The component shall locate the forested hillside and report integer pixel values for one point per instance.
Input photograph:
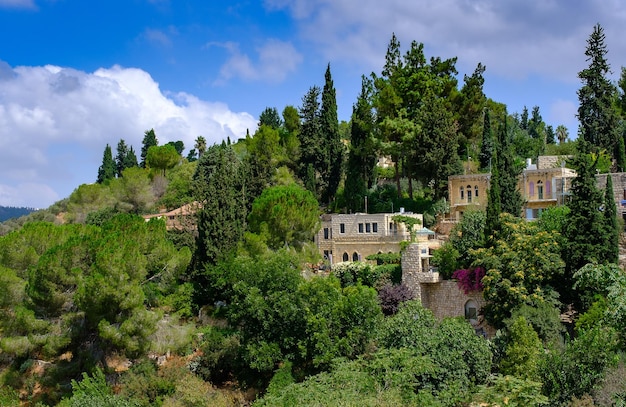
(8, 212)
(232, 304)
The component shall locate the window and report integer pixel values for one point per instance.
(342, 228)
(469, 193)
(355, 256)
(391, 223)
(326, 234)
(462, 194)
(540, 189)
(346, 257)
(326, 255)
(476, 191)
(471, 311)
(375, 227)
(531, 189)
(368, 228)
(548, 188)
(360, 228)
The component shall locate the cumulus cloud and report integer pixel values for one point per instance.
(56, 122)
(275, 59)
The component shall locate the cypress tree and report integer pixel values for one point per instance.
(107, 169)
(149, 140)
(131, 159)
(311, 143)
(332, 169)
(585, 229)
(361, 156)
(610, 223)
(494, 204)
(510, 196)
(120, 158)
(486, 148)
(597, 115)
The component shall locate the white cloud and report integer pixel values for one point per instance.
(275, 60)
(513, 39)
(17, 4)
(56, 122)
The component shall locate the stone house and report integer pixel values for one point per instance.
(542, 185)
(353, 237)
(443, 297)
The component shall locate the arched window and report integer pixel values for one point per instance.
(471, 311)
(540, 189)
(462, 193)
(476, 191)
(355, 256)
(346, 257)
(469, 193)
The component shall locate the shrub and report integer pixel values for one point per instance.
(470, 279)
(391, 296)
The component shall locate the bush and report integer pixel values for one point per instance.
(391, 296)
(470, 279)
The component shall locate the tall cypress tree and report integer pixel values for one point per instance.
(334, 150)
(494, 204)
(107, 169)
(597, 115)
(220, 189)
(585, 229)
(487, 147)
(611, 225)
(509, 171)
(311, 142)
(361, 156)
(120, 158)
(131, 159)
(149, 140)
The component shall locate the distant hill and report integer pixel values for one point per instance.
(8, 212)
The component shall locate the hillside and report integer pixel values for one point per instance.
(8, 212)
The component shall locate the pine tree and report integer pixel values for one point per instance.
(550, 135)
(107, 169)
(524, 119)
(149, 140)
(270, 117)
(332, 171)
(487, 147)
(611, 225)
(598, 118)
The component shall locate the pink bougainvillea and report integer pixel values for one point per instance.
(470, 279)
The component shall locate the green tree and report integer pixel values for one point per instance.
(149, 140)
(550, 135)
(487, 146)
(494, 202)
(200, 146)
(120, 158)
(312, 151)
(219, 188)
(162, 158)
(131, 159)
(522, 352)
(107, 169)
(508, 172)
(561, 133)
(332, 172)
(134, 191)
(612, 229)
(598, 118)
(586, 241)
(178, 145)
(288, 216)
(468, 235)
(361, 166)
(520, 266)
(270, 117)
(470, 106)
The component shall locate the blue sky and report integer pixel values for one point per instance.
(76, 75)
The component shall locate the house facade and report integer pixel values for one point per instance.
(541, 185)
(353, 237)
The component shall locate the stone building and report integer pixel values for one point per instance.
(542, 185)
(353, 237)
(443, 297)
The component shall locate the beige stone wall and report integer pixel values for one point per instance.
(619, 189)
(551, 161)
